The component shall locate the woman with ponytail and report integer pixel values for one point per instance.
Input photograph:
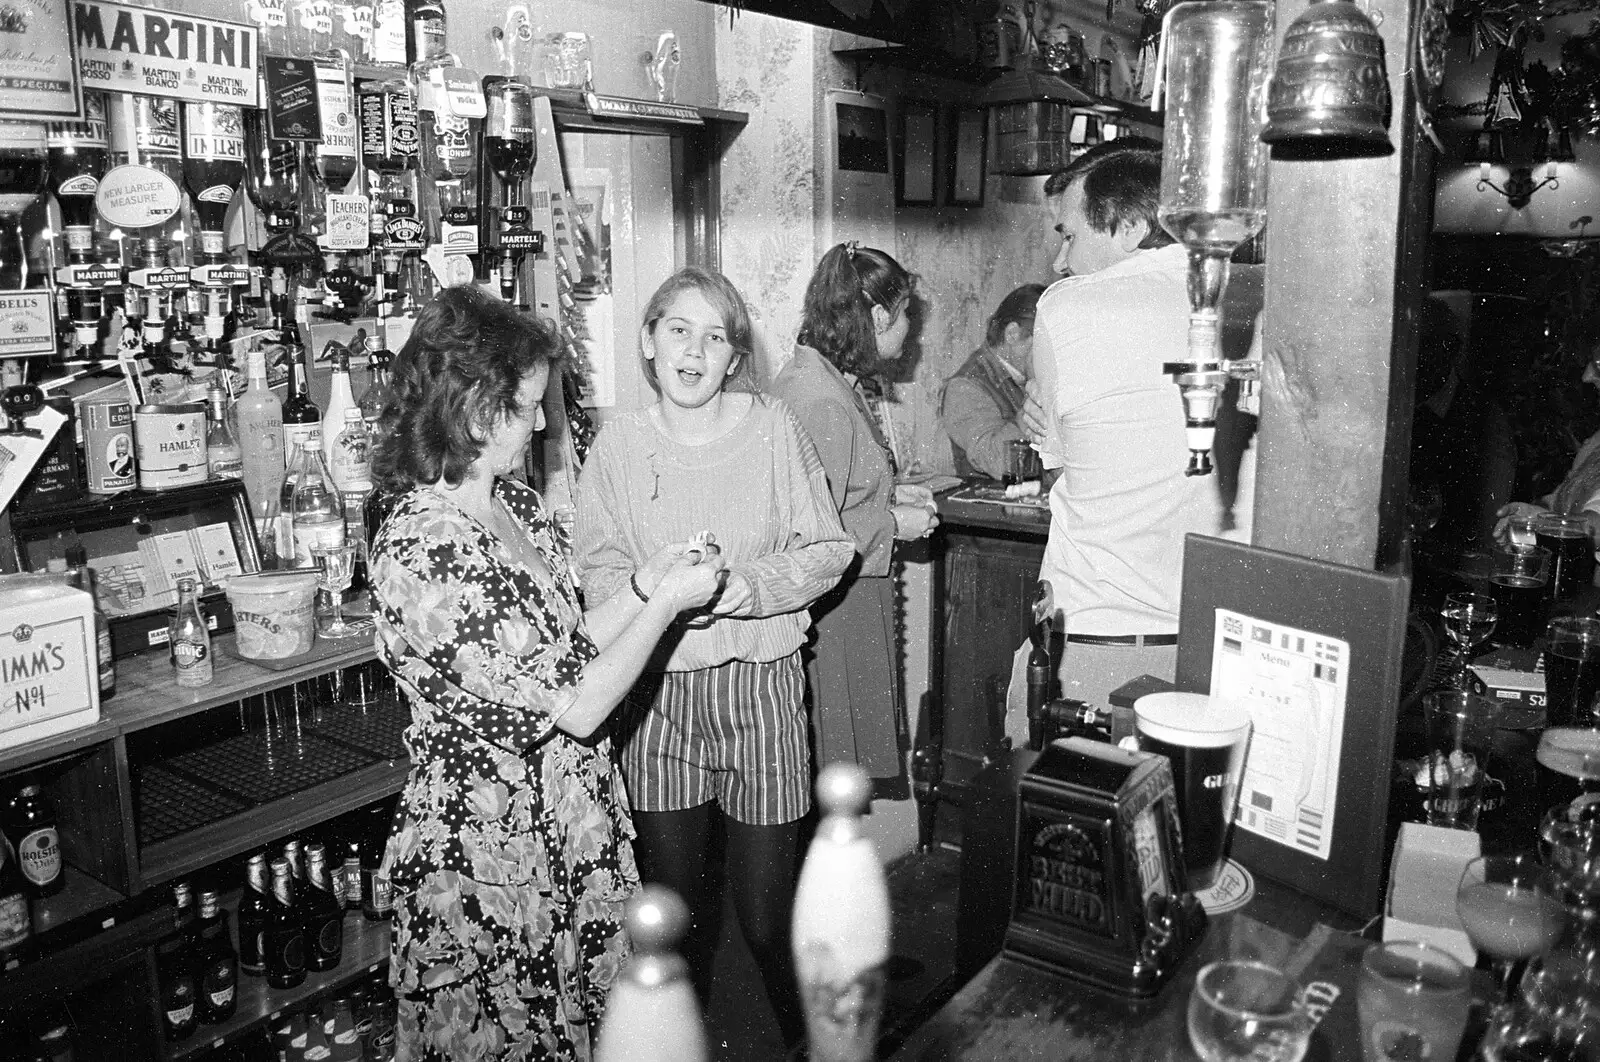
(855, 322)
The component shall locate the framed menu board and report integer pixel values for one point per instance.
(1313, 651)
(39, 63)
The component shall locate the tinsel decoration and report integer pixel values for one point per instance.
(574, 333)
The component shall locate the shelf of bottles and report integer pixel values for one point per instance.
(310, 921)
(201, 239)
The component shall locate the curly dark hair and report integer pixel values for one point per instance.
(837, 318)
(458, 373)
(1121, 186)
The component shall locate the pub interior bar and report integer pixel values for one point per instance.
(1137, 459)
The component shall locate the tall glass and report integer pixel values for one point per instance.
(1205, 740)
(1519, 585)
(1411, 993)
(1460, 735)
(1568, 767)
(1572, 670)
(1571, 552)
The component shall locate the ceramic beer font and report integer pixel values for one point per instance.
(1100, 890)
(652, 1015)
(1213, 184)
(841, 924)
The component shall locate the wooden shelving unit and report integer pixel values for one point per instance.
(95, 937)
(366, 949)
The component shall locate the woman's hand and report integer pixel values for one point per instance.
(913, 494)
(738, 596)
(688, 585)
(1507, 513)
(912, 522)
(651, 572)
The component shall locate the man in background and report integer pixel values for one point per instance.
(982, 402)
(1114, 423)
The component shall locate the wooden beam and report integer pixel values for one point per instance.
(1346, 247)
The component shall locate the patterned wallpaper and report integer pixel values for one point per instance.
(966, 259)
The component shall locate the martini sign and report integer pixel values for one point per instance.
(164, 53)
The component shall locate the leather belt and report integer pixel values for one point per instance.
(1123, 639)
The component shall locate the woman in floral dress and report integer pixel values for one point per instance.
(510, 856)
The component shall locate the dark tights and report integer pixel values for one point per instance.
(761, 866)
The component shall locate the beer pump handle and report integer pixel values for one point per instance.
(653, 1015)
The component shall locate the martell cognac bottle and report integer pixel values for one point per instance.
(213, 166)
(22, 174)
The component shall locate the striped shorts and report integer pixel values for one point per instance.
(735, 733)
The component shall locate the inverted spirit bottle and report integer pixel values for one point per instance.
(213, 169)
(142, 195)
(22, 174)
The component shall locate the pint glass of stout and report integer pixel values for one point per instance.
(1571, 553)
(1572, 671)
(1205, 742)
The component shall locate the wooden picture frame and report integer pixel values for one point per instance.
(861, 135)
(967, 163)
(916, 142)
(1366, 611)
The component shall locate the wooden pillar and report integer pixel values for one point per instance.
(1346, 255)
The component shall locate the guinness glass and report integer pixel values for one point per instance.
(1205, 742)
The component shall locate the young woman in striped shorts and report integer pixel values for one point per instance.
(718, 725)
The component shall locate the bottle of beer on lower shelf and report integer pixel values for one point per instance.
(297, 864)
(216, 963)
(253, 907)
(350, 874)
(377, 894)
(286, 939)
(30, 826)
(322, 914)
(16, 912)
(175, 966)
(342, 1035)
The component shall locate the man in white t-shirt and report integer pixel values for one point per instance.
(1114, 425)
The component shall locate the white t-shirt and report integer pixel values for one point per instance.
(1120, 509)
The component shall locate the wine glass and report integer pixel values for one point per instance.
(1558, 1016)
(1469, 620)
(1509, 908)
(1247, 1010)
(336, 564)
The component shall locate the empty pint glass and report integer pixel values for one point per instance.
(1205, 741)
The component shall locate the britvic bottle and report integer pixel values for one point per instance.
(188, 639)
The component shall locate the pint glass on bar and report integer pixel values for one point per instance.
(1205, 741)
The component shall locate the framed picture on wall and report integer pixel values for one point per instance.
(916, 138)
(861, 134)
(967, 167)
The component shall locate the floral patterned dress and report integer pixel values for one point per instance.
(510, 856)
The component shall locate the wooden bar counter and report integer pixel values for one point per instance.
(1011, 1009)
(986, 561)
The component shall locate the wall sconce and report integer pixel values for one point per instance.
(1519, 186)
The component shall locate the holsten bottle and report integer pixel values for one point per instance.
(189, 641)
(30, 827)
